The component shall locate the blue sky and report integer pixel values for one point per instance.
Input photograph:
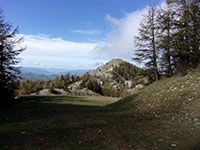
(75, 33)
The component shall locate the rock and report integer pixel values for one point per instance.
(87, 92)
(61, 91)
(75, 85)
(132, 91)
(129, 83)
(44, 92)
(136, 89)
(82, 92)
(173, 145)
(139, 86)
(101, 83)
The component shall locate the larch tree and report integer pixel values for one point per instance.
(187, 34)
(166, 19)
(194, 15)
(186, 38)
(9, 50)
(146, 42)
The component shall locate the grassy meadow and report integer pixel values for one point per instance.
(164, 116)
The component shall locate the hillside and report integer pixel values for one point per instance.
(36, 76)
(105, 71)
(178, 96)
(165, 115)
(171, 107)
(116, 78)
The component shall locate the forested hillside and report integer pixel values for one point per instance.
(112, 79)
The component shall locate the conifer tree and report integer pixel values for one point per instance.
(194, 16)
(186, 38)
(146, 42)
(181, 37)
(166, 18)
(9, 50)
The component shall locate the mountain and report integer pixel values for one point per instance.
(48, 73)
(116, 78)
(106, 70)
(62, 71)
(26, 70)
(34, 76)
(118, 70)
(77, 72)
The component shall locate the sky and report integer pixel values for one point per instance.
(75, 34)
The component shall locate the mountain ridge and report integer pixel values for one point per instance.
(48, 73)
(106, 69)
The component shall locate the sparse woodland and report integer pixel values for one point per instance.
(114, 87)
(163, 114)
(168, 43)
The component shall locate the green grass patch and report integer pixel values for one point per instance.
(76, 100)
(164, 115)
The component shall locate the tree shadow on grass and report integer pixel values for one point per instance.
(44, 107)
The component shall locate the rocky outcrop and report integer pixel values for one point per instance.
(75, 86)
(105, 71)
(82, 92)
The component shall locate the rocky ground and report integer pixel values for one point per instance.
(82, 92)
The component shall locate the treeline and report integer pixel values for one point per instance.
(168, 40)
(62, 82)
(102, 86)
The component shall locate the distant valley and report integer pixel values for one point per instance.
(48, 73)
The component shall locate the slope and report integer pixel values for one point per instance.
(168, 112)
(168, 98)
(163, 116)
(116, 78)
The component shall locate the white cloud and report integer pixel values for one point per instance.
(44, 51)
(36, 63)
(87, 32)
(120, 41)
(113, 20)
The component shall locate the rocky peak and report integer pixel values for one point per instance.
(106, 70)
